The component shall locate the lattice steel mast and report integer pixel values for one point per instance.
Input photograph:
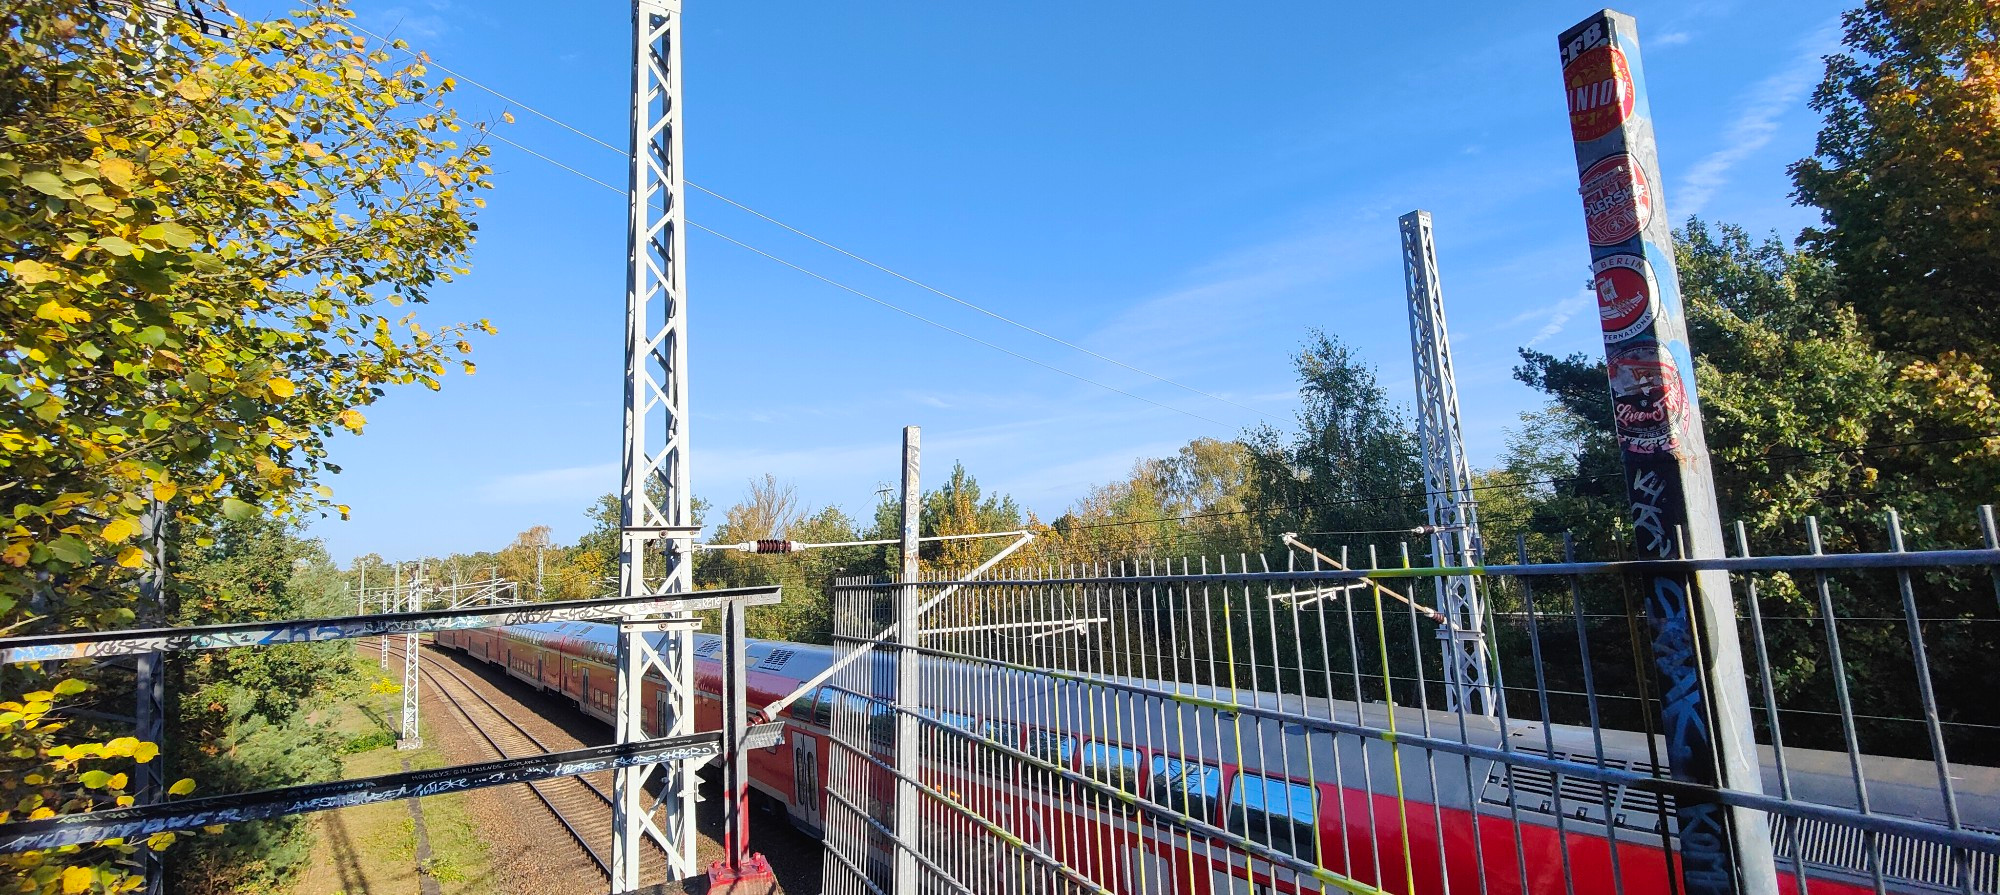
(411, 600)
(1454, 515)
(656, 510)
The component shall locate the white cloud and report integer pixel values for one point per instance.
(567, 485)
(1755, 124)
(1669, 39)
(1558, 314)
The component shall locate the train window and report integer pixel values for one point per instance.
(1275, 812)
(1116, 765)
(882, 725)
(1053, 748)
(1002, 732)
(822, 707)
(952, 719)
(1191, 788)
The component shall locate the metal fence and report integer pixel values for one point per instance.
(639, 633)
(1266, 724)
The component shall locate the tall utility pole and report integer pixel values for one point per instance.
(1454, 516)
(1705, 706)
(655, 507)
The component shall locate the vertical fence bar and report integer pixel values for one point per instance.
(1657, 416)
(907, 679)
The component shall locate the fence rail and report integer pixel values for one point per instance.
(1247, 724)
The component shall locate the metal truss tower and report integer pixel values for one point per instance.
(656, 510)
(411, 600)
(1454, 516)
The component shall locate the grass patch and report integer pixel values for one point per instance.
(373, 848)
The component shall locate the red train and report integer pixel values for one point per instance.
(1348, 825)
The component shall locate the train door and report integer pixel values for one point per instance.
(539, 680)
(805, 779)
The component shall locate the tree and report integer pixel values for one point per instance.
(242, 718)
(1352, 464)
(958, 507)
(1905, 171)
(205, 250)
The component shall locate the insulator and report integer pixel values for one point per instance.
(771, 545)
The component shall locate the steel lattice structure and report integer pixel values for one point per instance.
(656, 510)
(1454, 515)
(412, 600)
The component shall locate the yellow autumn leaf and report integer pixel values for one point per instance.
(117, 170)
(165, 491)
(181, 787)
(120, 530)
(507, 117)
(281, 387)
(60, 313)
(77, 879)
(312, 150)
(132, 558)
(29, 272)
(192, 90)
(352, 419)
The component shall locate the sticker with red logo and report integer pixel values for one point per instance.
(1626, 295)
(1600, 92)
(1648, 404)
(1617, 200)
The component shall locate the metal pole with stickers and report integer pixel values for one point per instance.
(1704, 702)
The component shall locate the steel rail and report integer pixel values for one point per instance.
(93, 644)
(603, 866)
(1989, 557)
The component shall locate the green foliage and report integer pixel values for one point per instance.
(368, 742)
(204, 247)
(1352, 465)
(200, 242)
(244, 717)
(1194, 502)
(1805, 416)
(1905, 172)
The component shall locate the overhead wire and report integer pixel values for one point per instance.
(824, 243)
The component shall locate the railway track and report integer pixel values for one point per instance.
(581, 805)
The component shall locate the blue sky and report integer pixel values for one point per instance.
(1183, 187)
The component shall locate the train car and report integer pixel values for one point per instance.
(1324, 798)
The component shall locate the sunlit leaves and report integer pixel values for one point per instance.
(200, 245)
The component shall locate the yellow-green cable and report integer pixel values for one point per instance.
(1236, 718)
(1395, 748)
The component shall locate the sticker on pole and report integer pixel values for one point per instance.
(1627, 295)
(1600, 92)
(1617, 200)
(1649, 404)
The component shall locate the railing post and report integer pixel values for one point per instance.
(149, 696)
(1705, 704)
(906, 758)
(741, 871)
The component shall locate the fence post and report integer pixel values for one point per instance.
(149, 708)
(1705, 702)
(905, 862)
